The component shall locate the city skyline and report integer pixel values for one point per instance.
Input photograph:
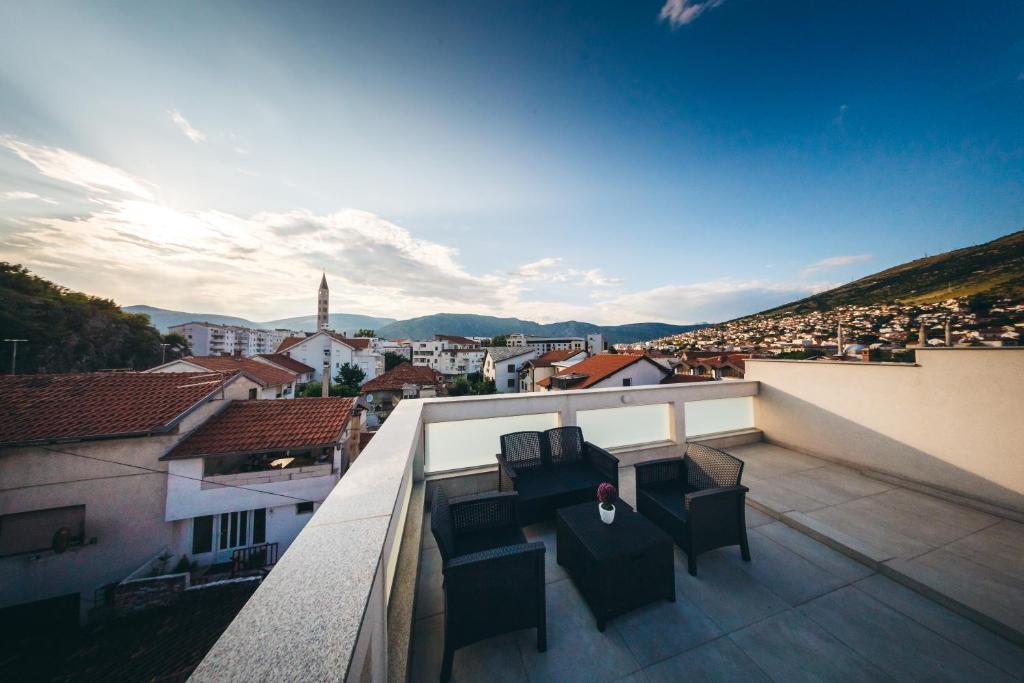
(615, 162)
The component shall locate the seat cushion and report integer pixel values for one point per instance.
(669, 497)
(467, 542)
(538, 484)
(578, 475)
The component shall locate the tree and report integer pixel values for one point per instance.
(499, 340)
(350, 376)
(177, 346)
(365, 332)
(313, 390)
(460, 387)
(392, 360)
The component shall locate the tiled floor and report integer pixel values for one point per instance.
(798, 611)
(948, 551)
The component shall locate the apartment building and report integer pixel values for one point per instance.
(451, 355)
(591, 343)
(208, 339)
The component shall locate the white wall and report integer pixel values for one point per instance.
(498, 371)
(953, 421)
(641, 373)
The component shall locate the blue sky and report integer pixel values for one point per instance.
(604, 161)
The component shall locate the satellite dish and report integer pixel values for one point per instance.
(369, 398)
(61, 539)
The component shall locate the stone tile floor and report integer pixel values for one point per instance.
(799, 611)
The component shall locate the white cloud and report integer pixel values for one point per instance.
(681, 12)
(836, 262)
(186, 127)
(76, 169)
(541, 269)
(17, 195)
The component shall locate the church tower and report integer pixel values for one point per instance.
(322, 319)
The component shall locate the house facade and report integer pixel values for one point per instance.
(503, 363)
(607, 370)
(208, 339)
(274, 382)
(336, 349)
(451, 355)
(591, 343)
(380, 395)
(546, 365)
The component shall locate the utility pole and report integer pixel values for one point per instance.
(163, 353)
(14, 353)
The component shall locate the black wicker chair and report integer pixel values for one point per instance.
(493, 578)
(696, 499)
(552, 469)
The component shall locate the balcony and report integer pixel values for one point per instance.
(884, 517)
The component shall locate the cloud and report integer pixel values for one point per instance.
(60, 164)
(548, 269)
(17, 195)
(186, 127)
(681, 12)
(836, 262)
(538, 270)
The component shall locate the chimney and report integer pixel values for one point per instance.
(949, 332)
(922, 337)
(325, 378)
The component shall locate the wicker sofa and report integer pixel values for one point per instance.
(697, 499)
(493, 578)
(552, 469)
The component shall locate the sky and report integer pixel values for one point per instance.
(681, 161)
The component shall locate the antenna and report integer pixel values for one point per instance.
(14, 353)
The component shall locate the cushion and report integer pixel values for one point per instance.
(668, 497)
(578, 475)
(540, 484)
(467, 542)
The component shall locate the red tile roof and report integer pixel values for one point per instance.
(289, 342)
(287, 362)
(402, 374)
(267, 375)
(41, 408)
(557, 356)
(456, 339)
(354, 342)
(253, 426)
(599, 367)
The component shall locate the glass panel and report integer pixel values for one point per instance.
(719, 415)
(223, 531)
(627, 426)
(202, 534)
(243, 527)
(259, 526)
(234, 529)
(471, 443)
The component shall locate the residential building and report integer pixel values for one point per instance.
(381, 394)
(255, 473)
(335, 349)
(399, 347)
(607, 370)
(304, 373)
(503, 363)
(84, 489)
(456, 342)
(274, 382)
(208, 339)
(591, 343)
(451, 355)
(546, 365)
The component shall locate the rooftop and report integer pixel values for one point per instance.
(41, 408)
(596, 368)
(287, 362)
(500, 353)
(253, 426)
(261, 372)
(402, 374)
(556, 356)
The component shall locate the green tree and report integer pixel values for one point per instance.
(460, 387)
(313, 389)
(365, 332)
(177, 346)
(499, 340)
(393, 360)
(350, 376)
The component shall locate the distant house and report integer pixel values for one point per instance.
(274, 382)
(731, 365)
(337, 350)
(84, 488)
(208, 339)
(542, 367)
(305, 373)
(503, 363)
(592, 343)
(607, 370)
(381, 394)
(451, 355)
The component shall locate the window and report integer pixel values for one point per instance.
(28, 532)
(511, 383)
(304, 508)
(259, 526)
(202, 534)
(511, 367)
(627, 381)
(252, 394)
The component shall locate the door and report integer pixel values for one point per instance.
(239, 530)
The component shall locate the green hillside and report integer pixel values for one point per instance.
(995, 268)
(488, 326)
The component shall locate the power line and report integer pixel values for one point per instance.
(172, 474)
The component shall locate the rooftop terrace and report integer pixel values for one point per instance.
(895, 551)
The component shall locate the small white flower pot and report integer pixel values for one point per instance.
(607, 516)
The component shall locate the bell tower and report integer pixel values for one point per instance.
(322, 297)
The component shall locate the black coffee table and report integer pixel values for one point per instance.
(618, 566)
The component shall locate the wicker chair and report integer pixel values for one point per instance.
(552, 469)
(493, 578)
(696, 499)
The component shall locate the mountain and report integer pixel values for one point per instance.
(349, 323)
(993, 269)
(488, 326)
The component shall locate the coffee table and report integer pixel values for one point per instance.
(618, 566)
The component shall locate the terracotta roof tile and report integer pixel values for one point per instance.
(289, 342)
(402, 374)
(252, 426)
(266, 374)
(599, 367)
(287, 362)
(39, 408)
(557, 356)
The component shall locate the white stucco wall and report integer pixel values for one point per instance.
(953, 421)
(642, 374)
(311, 352)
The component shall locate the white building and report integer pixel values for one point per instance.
(273, 381)
(592, 343)
(503, 363)
(546, 365)
(207, 339)
(606, 370)
(337, 350)
(450, 355)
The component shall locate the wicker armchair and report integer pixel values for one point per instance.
(552, 469)
(493, 578)
(696, 499)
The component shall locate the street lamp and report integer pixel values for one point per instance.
(14, 352)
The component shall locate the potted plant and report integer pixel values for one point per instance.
(606, 497)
